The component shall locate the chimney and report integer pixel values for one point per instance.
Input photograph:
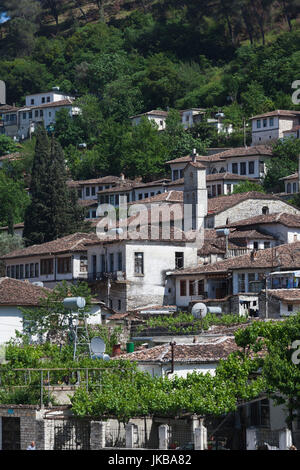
(122, 177)
(194, 156)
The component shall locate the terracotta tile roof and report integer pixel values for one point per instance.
(277, 112)
(228, 176)
(290, 177)
(168, 196)
(287, 295)
(199, 158)
(210, 351)
(246, 151)
(70, 243)
(289, 220)
(221, 203)
(157, 112)
(282, 257)
(87, 202)
(65, 102)
(16, 292)
(100, 180)
(250, 235)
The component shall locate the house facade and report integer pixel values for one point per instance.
(274, 125)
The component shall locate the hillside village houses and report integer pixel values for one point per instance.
(275, 125)
(20, 122)
(128, 273)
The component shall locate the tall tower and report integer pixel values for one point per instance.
(194, 195)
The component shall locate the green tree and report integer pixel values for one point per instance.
(7, 145)
(13, 201)
(51, 317)
(283, 163)
(247, 186)
(8, 243)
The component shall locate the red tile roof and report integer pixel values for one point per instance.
(20, 293)
(289, 220)
(70, 243)
(282, 257)
(211, 351)
(287, 295)
(278, 112)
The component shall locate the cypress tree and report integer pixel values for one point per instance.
(54, 211)
(37, 213)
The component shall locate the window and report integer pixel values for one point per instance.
(243, 168)
(139, 263)
(119, 304)
(31, 269)
(258, 124)
(182, 288)
(13, 271)
(241, 282)
(8, 271)
(26, 271)
(219, 189)
(179, 259)
(255, 245)
(175, 175)
(18, 272)
(36, 270)
(180, 173)
(46, 266)
(111, 262)
(265, 210)
(79, 193)
(265, 122)
(30, 114)
(120, 264)
(271, 122)
(140, 196)
(267, 245)
(41, 113)
(48, 99)
(235, 168)
(228, 188)
(93, 190)
(36, 113)
(43, 99)
(49, 113)
(145, 195)
(192, 288)
(251, 168)
(201, 287)
(24, 115)
(64, 265)
(32, 101)
(87, 191)
(290, 308)
(21, 271)
(94, 214)
(260, 413)
(83, 264)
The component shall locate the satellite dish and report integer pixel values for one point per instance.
(199, 310)
(97, 346)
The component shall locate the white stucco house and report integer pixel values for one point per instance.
(274, 125)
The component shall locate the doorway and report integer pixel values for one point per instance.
(11, 435)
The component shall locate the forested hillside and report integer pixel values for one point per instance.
(121, 58)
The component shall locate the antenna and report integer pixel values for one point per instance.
(74, 304)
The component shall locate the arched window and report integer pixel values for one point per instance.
(265, 210)
(214, 171)
(222, 170)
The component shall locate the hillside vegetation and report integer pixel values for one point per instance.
(121, 58)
